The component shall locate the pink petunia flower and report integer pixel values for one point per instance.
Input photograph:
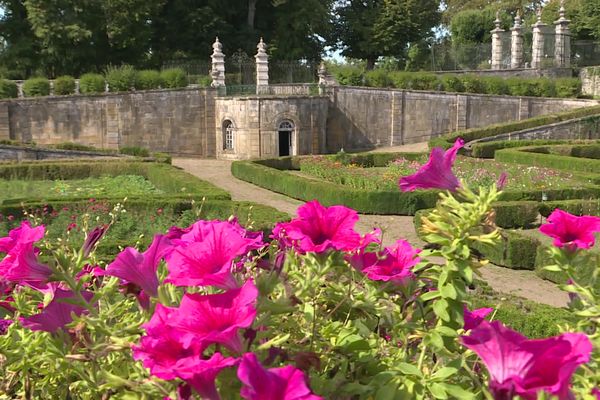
(286, 383)
(21, 263)
(522, 367)
(204, 255)
(4, 324)
(474, 318)
(502, 181)
(58, 313)
(140, 269)
(216, 318)
(201, 374)
(395, 264)
(570, 231)
(319, 229)
(160, 349)
(92, 239)
(436, 173)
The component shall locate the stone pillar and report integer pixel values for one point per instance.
(218, 65)
(537, 47)
(516, 43)
(497, 43)
(562, 46)
(262, 68)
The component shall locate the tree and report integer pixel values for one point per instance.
(526, 7)
(368, 29)
(19, 46)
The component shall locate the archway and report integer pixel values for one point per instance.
(286, 138)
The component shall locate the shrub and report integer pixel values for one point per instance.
(472, 84)
(452, 83)
(488, 149)
(378, 78)
(205, 81)
(576, 207)
(425, 81)
(348, 75)
(135, 151)
(92, 83)
(495, 85)
(529, 156)
(542, 87)
(568, 87)
(519, 87)
(516, 214)
(36, 87)
(148, 79)
(64, 85)
(174, 78)
(74, 146)
(121, 79)
(515, 250)
(8, 89)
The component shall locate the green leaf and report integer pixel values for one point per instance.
(553, 268)
(448, 291)
(435, 339)
(434, 294)
(444, 373)
(409, 369)
(457, 392)
(387, 392)
(438, 391)
(440, 308)
(276, 341)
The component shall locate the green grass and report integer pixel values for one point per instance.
(117, 186)
(476, 172)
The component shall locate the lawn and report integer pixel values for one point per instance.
(113, 186)
(477, 172)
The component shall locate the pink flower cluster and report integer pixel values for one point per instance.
(571, 232)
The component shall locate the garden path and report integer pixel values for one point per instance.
(521, 283)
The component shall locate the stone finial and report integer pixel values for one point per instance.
(497, 22)
(539, 14)
(562, 44)
(518, 19)
(262, 68)
(218, 64)
(537, 46)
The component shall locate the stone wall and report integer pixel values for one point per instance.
(363, 118)
(174, 121)
(256, 120)
(20, 153)
(581, 129)
(590, 81)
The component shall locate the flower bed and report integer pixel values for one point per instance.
(317, 311)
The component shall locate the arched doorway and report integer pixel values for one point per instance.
(286, 138)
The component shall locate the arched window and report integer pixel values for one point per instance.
(227, 135)
(286, 126)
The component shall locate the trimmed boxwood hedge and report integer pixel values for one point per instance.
(488, 149)
(367, 202)
(174, 182)
(273, 174)
(535, 156)
(468, 135)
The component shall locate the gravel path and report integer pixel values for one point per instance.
(521, 283)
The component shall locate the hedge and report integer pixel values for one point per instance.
(470, 83)
(468, 135)
(534, 156)
(367, 202)
(149, 79)
(92, 83)
(8, 89)
(488, 149)
(121, 79)
(172, 181)
(36, 87)
(64, 85)
(174, 78)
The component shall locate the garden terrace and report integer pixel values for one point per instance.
(586, 115)
(367, 183)
(157, 180)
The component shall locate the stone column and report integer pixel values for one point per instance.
(497, 43)
(262, 68)
(537, 47)
(218, 65)
(562, 45)
(516, 43)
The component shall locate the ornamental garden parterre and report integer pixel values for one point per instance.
(310, 309)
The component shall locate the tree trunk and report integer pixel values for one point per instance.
(251, 13)
(371, 63)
